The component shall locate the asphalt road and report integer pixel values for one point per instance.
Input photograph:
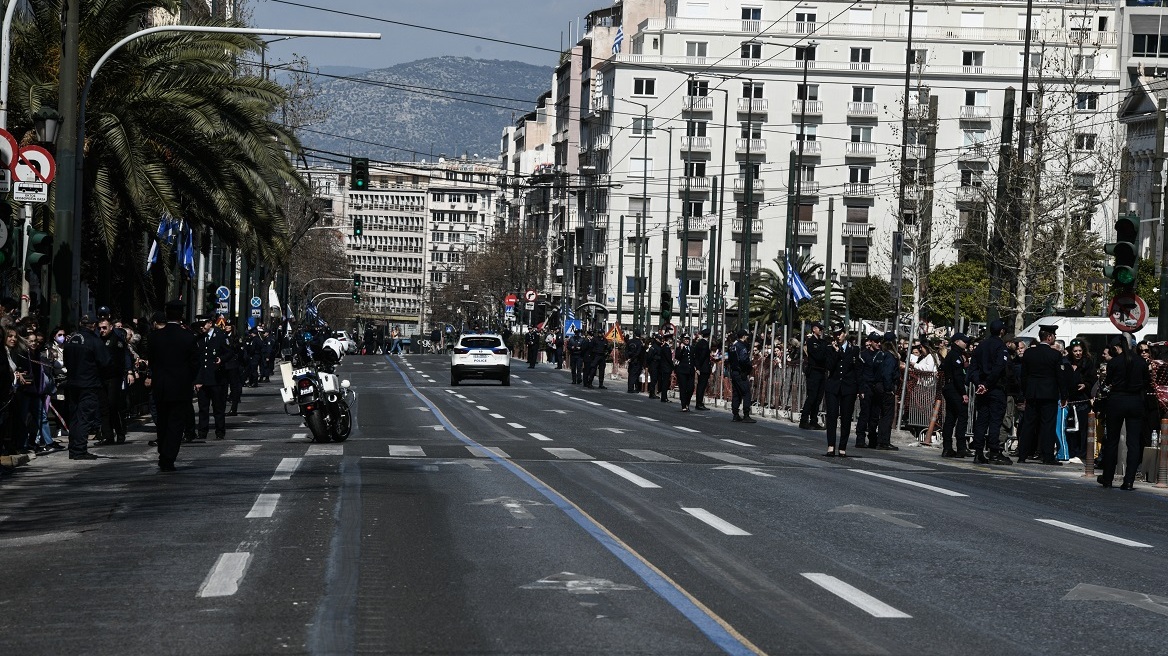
(543, 518)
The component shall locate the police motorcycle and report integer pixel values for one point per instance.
(321, 397)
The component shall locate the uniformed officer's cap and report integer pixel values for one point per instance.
(705, 333)
(959, 337)
(837, 330)
(1049, 327)
(817, 324)
(875, 337)
(685, 337)
(742, 332)
(890, 337)
(996, 326)
(204, 318)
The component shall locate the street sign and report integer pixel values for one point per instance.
(222, 293)
(529, 306)
(256, 312)
(1128, 312)
(34, 164)
(510, 309)
(510, 300)
(256, 301)
(222, 308)
(531, 295)
(30, 192)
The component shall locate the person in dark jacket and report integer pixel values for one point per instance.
(635, 356)
(576, 357)
(741, 368)
(86, 357)
(841, 388)
(1083, 374)
(234, 369)
(1130, 381)
(866, 420)
(173, 357)
(600, 349)
(116, 377)
(532, 341)
(652, 362)
(665, 368)
(214, 357)
(816, 369)
(988, 373)
(704, 365)
(253, 351)
(882, 386)
(684, 366)
(586, 357)
(1043, 385)
(955, 392)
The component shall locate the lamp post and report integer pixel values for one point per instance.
(47, 122)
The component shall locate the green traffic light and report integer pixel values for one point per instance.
(1125, 276)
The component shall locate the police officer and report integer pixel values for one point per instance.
(652, 362)
(213, 356)
(683, 362)
(739, 364)
(253, 351)
(867, 420)
(882, 387)
(987, 372)
(86, 357)
(576, 357)
(268, 363)
(586, 355)
(1128, 376)
(816, 368)
(116, 377)
(955, 391)
(173, 357)
(600, 350)
(532, 341)
(1043, 386)
(234, 369)
(665, 367)
(635, 355)
(841, 388)
(704, 365)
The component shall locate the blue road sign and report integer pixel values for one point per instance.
(256, 301)
(222, 293)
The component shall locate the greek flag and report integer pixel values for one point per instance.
(311, 312)
(167, 226)
(569, 312)
(795, 283)
(186, 249)
(618, 40)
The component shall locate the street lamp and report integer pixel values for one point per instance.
(47, 121)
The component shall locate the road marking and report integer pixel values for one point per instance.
(497, 415)
(650, 455)
(450, 391)
(240, 451)
(285, 468)
(715, 521)
(326, 450)
(629, 476)
(575, 398)
(592, 403)
(617, 431)
(623, 412)
(567, 454)
(856, 597)
(527, 382)
(736, 443)
(559, 394)
(487, 451)
(686, 429)
(1095, 534)
(541, 437)
(516, 376)
(223, 581)
(460, 396)
(264, 506)
(923, 486)
(729, 457)
(299, 436)
(892, 464)
(397, 451)
(804, 461)
(515, 425)
(647, 419)
(470, 400)
(481, 407)
(753, 471)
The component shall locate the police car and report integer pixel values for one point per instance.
(480, 356)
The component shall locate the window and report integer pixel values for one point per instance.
(455, 198)
(973, 137)
(1082, 63)
(643, 127)
(861, 134)
(456, 237)
(751, 130)
(753, 169)
(1149, 45)
(807, 173)
(694, 284)
(644, 86)
(695, 128)
(860, 58)
(752, 13)
(862, 94)
(1087, 101)
(693, 208)
(695, 168)
(641, 167)
(698, 88)
(972, 60)
(438, 237)
(976, 98)
(472, 198)
(437, 256)
(454, 257)
(809, 132)
(1085, 141)
(752, 89)
(918, 56)
(804, 53)
(917, 137)
(695, 49)
(631, 286)
(859, 174)
(972, 177)
(807, 92)
(804, 23)
(858, 214)
(752, 50)
(1035, 60)
(437, 198)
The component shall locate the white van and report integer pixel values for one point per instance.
(1097, 332)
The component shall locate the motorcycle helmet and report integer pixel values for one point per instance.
(332, 351)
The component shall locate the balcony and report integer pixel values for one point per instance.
(601, 142)
(859, 190)
(813, 107)
(693, 183)
(808, 188)
(739, 225)
(857, 230)
(975, 112)
(698, 226)
(754, 146)
(864, 109)
(810, 146)
(917, 151)
(973, 152)
(753, 105)
(736, 265)
(697, 103)
(808, 228)
(601, 104)
(691, 262)
(918, 110)
(696, 143)
(970, 194)
(854, 270)
(740, 185)
(860, 149)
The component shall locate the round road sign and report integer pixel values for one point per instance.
(1128, 312)
(34, 164)
(531, 295)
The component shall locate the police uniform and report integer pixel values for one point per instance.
(635, 353)
(532, 341)
(665, 368)
(1043, 386)
(576, 357)
(600, 358)
(704, 366)
(816, 378)
(866, 420)
(739, 364)
(652, 357)
(988, 373)
(172, 358)
(1128, 376)
(586, 356)
(85, 358)
(955, 392)
(212, 356)
(683, 359)
(840, 389)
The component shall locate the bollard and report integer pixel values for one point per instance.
(928, 441)
(1162, 460)
(1089, 456)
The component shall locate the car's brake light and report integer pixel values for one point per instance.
(461, 351)
(502, 350)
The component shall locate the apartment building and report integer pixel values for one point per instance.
(705, 90)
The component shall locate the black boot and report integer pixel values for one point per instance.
(947, 449)
(979, 457)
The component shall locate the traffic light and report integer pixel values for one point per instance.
(1122, 270)
(40, 249)
(357, 288)
(666, 307)
(359, 173)
(358, 226)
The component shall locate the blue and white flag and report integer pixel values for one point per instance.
(618, 40)
(186, 249)
(310, 311)
(167, 226)
(569, 312)
(795, 284)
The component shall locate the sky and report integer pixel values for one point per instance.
(531, 22)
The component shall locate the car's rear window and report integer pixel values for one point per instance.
(481, 342)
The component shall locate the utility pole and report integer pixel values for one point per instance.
(1002, 204)
(720, 194)
(620, 269)
(898, 239)
(62, 295)
(668, 212)
(685, 211)
(748, 218)
(827, 267)
(1158, 205)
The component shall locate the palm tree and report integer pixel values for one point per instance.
(768, 293)
(171, 128)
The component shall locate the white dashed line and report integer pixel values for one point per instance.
(628, 475)
(326, 450)
(623, 412)
(496, 415)
(647, 418)
(559, 394)
(736, 442)
(568, 454)
(718, 523)
(541, 437)
(515, 425)
(487, 451)
(1095, 534)
(683, 428)
(527, 382)
(460, 396)
(299, 436)
(729, 457)
(397, 451)
(451, 392)
(924, 486)
(285, 469)
(482, 407)
(649, 455)
(592, 403)
(223, 580)
(575, 398)
(856, 597)
(264, 506)
(240, 451)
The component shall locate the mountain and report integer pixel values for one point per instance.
(420, 115)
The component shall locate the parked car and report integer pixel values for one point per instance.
(343, 337)
(480, 356)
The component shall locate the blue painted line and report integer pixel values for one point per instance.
(665, 589)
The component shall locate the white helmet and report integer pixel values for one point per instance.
(333, 348)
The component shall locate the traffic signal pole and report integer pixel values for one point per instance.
(25, 222)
